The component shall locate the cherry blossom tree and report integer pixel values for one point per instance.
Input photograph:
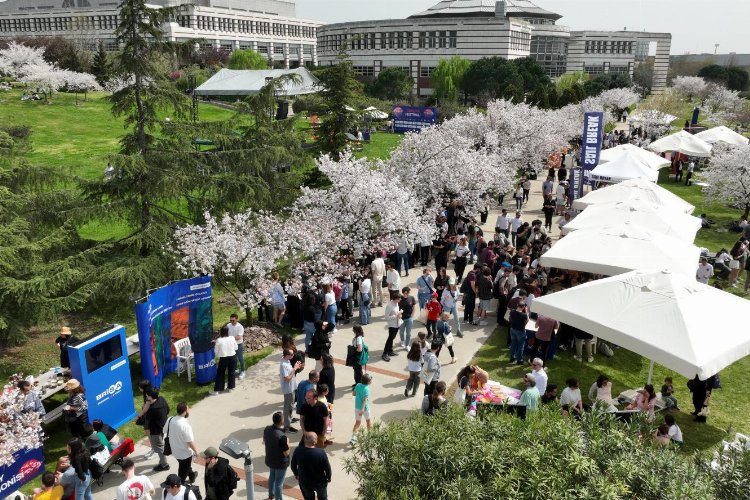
(690, 86)
(721, 104)
(18, 59)
(80, 82)
(619, 98)
(728, 177)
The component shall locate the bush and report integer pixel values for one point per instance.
(499, 456)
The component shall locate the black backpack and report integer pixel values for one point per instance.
(96, 469)
(232, 478)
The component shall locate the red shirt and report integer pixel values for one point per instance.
(433, 310)
(545, 327)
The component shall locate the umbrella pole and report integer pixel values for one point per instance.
(650, 371)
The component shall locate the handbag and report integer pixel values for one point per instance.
(449, 339)
(167, 445)
(351, 355)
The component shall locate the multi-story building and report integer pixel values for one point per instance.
(267, 26)
(474, 29)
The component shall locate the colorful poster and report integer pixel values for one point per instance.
(413, 118)
(27, 464)
(178, 310)
(593, 128)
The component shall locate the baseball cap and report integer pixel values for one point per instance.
(210, 452)
(451, 281)
(172, 480)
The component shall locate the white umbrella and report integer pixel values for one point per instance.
(646, 215)
(635, 190)
(652, 116)
(670, 318)
(619, 248)
(722, 134)
(625, 167)
(376, 113)
(652, 160)
(682, 142)
(349, 108)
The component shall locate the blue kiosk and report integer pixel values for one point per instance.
(100, 362)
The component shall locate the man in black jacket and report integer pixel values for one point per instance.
(154, 420)
(277, 455)
(311, 468)
(217, 475)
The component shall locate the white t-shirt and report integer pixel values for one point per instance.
(502, 221)
(462, 250)
(180, 434)
(330, 298)
(180, 494)
(570, 397)
(675, 433)
(704, 272)
(137, 488)
(378, 268)
(365, 285)
(540, 376)
(225, 347)
(236, 330)
(394, 280)
(515, 223)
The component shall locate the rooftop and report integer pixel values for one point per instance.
(487, 8)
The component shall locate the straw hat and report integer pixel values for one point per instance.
(71, 384)
(65, 330)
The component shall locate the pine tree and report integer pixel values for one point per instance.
(100, 67)
(339, 88)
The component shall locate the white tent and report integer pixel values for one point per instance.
(635, 190)
(233, 82)
(376, 113)
(646, 215)
(652, 160)
(652, 116)
(625, 167)
(682, 142)
(619, 248)
(722, 134)
(669, 318)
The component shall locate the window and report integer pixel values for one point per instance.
(422, 39)
(453, 39)
(278, 49)
(364, 70)
(426, 71)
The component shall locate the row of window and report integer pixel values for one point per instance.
(66, 23)
(520, 40)
(609, 47)
(424, 71)
(598, 69)
(389, 40)
(228, 24)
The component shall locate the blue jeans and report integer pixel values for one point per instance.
(402, 258)
(83, 488)
(331, 314)
(241, 357)
(472, 249)
(276, 482)
(517, 341)
(454, 312)
(309, 328)
(406, 328)
(423, 299)
(364, 308)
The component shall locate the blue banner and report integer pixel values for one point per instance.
(576, 184)
(593, 128)
(100, 362)
(179, 310)
(205, 367)
(413, 118)
(27, 464)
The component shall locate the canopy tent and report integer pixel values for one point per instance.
(659, 315)
(682, 142)
(625, 167)
(619, 248)
(652, 160)
(652, 116)
(722, 134)
(635, 190)
(649, 216)
(233, 82)
(375, 113)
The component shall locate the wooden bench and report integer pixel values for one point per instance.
(52, 415)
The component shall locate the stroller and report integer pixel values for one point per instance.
(116, 458)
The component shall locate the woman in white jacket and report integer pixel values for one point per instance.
(449, 303)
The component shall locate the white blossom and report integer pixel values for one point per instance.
(728, 176)
(17, 59)
(721, 104)
(690, 86)
(619, 98)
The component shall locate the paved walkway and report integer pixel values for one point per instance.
(244, 413)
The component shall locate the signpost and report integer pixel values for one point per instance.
(413, 118)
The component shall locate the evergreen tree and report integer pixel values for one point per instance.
(100, 67)
(339, 87)
(392, 84)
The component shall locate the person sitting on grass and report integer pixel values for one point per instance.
(661, 435)
(570, 399)
(550, 394)
(674, 432)
(645, 402)
(670, 402)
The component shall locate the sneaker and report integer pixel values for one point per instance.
(406, 393)
(353, 440)
(403, 344)
(591, 359)
(191, 476)
(242, 375)
(392, 354)
(562, 347)
(578, 358)
(385, 358)
(295, 420)
(212, 393)
(161, 467)
(149, 454)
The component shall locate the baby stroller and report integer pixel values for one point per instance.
(116, 458)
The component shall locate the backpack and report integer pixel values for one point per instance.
(96, 469)
(465, 286)
(232, 478)
(186, 496)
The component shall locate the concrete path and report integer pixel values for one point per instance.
(244, 413)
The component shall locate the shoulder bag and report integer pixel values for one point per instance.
(167, 445)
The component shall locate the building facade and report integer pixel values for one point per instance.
(473, 29)
(268, 26)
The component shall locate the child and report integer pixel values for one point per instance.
(361, 405)
(423, 345)
(433, 314)
(414, 364)
(323, 390)
(670, 402)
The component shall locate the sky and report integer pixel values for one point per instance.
(696, 25)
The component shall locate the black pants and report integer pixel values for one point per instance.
(357, 373)
(308, 492)
(228, 365)
(76, 427)
(502, 305)
(548, 219)
(388, 349)
(424, 255)
(450, 350)
(678, 177)
(470, 302)
(344, 311)
(688, 177)
(428, 388)
(460, 267)
(185, 469)
(540, 349)
(526, 195)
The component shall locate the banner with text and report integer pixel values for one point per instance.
(413, 118)
(593, 128)
(27, 464)
(576, 184)
(179, 310)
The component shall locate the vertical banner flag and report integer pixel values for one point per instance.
(100, 362)
(576, 184)
(593, 127)
(179, 310)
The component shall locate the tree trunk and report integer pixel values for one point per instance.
(248, 316)
(747, 211)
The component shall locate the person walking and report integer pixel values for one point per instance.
(225, 349)
(515, 225)
(154, 419)
(433, 314)
(378, 272)
(526, 185)
(173, 489)
(361, 405)
(277, 455)
(237, 331)
(217, 475)
(449, 303)
(414, 365)
(363, 353)
(278, 299)
(518, 196)
(181, 440)
(329, 305)
(402, 257)
(365, 298)
(430, 374)
(442, 336)
(690, 168)
(393, 319)
(134, 487)
(288, 382)
(462, 257)
(425, 287)
(311, 468)
(393, 278)
(406, 305)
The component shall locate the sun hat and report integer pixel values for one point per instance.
(65, 330)
(71, 384)
(210, 452)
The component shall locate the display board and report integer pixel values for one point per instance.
(27, 464)
(413, 118)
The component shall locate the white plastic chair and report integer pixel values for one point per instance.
(184, 357)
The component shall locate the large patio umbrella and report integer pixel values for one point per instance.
(652, 116)
(620, 248)
(622, 168)
(635, 190)
(682, 142)
(669, 318)
(722, 134)
(649, 216)
(652, 160)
